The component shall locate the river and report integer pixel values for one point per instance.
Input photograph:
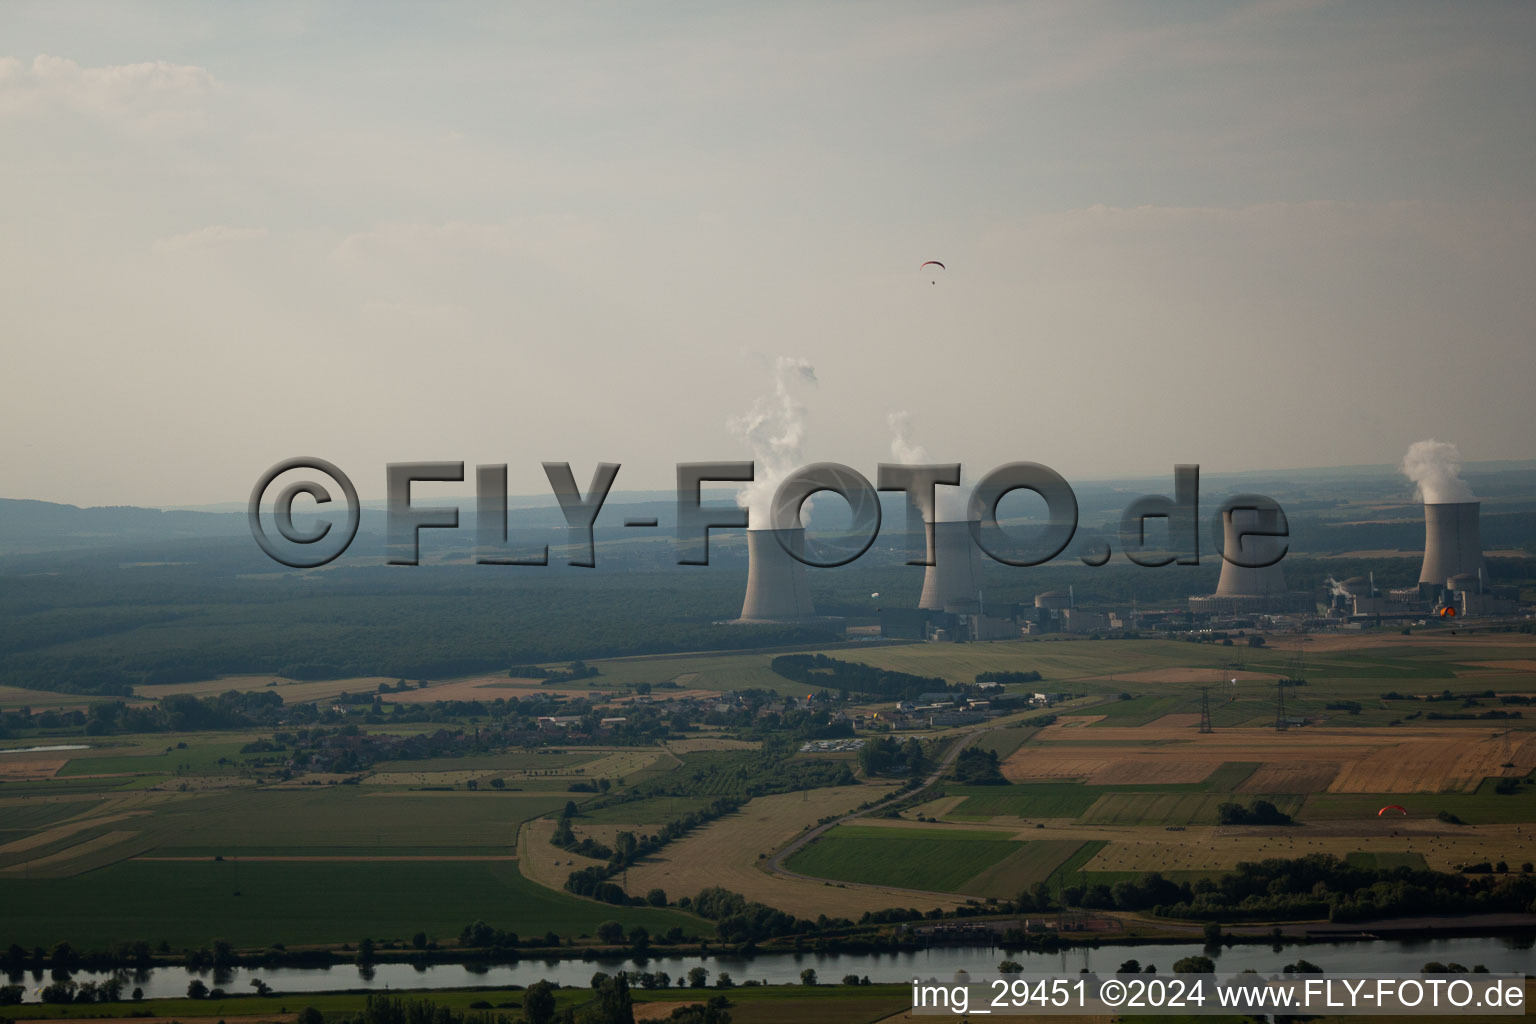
(1503, 953)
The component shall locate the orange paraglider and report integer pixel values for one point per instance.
(1393, 807)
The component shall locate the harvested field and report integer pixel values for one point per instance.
(1439, 764)
(1299, 777)
(484, 688)
(542, 862)
(725, 853)
(1206, 675)
(1425, 759)
(1180, 720)
(74, 859)
(1150, 771)
(15, 767)
(58, 832)
(690, 746)
(1222, 848)
(939, 808)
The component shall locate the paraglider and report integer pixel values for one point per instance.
(933, 263)
(1393, 807)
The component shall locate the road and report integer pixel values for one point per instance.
(775, 864)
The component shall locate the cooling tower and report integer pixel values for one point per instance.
(954, 578)
(1238, 581)
(1453, 544)
(777, 588)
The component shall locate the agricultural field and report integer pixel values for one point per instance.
(931, 860)
(1121, 782)
(1418, 759)
(728, 852)
(256, 903)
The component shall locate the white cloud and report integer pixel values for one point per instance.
(212, 237)
(149, 95)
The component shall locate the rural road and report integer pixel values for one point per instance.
(775, 864)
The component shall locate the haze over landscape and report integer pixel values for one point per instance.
(384, 232)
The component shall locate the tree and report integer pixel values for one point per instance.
(610, 932)
(611, 1003)
(498, 783)
(1194, 965)
(419, 940)
(912, 753)
(698, 977)
(538, 1003)
(656, 897)
(1010, 967)
(723, 980)
(808, 976)
(196, 989)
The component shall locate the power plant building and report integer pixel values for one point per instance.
(1453, 545)
(777, 587)
(953, 582)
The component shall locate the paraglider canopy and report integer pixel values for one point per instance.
(933, 263)
(1392, 807)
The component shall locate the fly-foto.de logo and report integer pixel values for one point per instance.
(1262, 542)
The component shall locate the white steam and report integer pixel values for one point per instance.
(951, 503)
(1435, 469)
(774, 428)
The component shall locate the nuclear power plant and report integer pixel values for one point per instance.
(777, 588)
(1242, 588)
(1453, 545)
(952, 583)
(1240, 539)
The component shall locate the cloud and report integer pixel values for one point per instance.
(215, 236)
(148, 95)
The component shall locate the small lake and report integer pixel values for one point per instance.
(1503, 953)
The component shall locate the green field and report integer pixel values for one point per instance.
(931, 860)
(191, 903)
(1070, 871)
(1035, 861)
(1003, 742)
(1173, 808)
(1075, 800)
(1472, 808)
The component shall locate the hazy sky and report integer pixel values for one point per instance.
(1248, 236)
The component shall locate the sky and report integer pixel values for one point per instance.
(1249, 236)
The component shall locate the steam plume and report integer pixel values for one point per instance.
(951, 504)
(774, 428)
(1435, 469)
